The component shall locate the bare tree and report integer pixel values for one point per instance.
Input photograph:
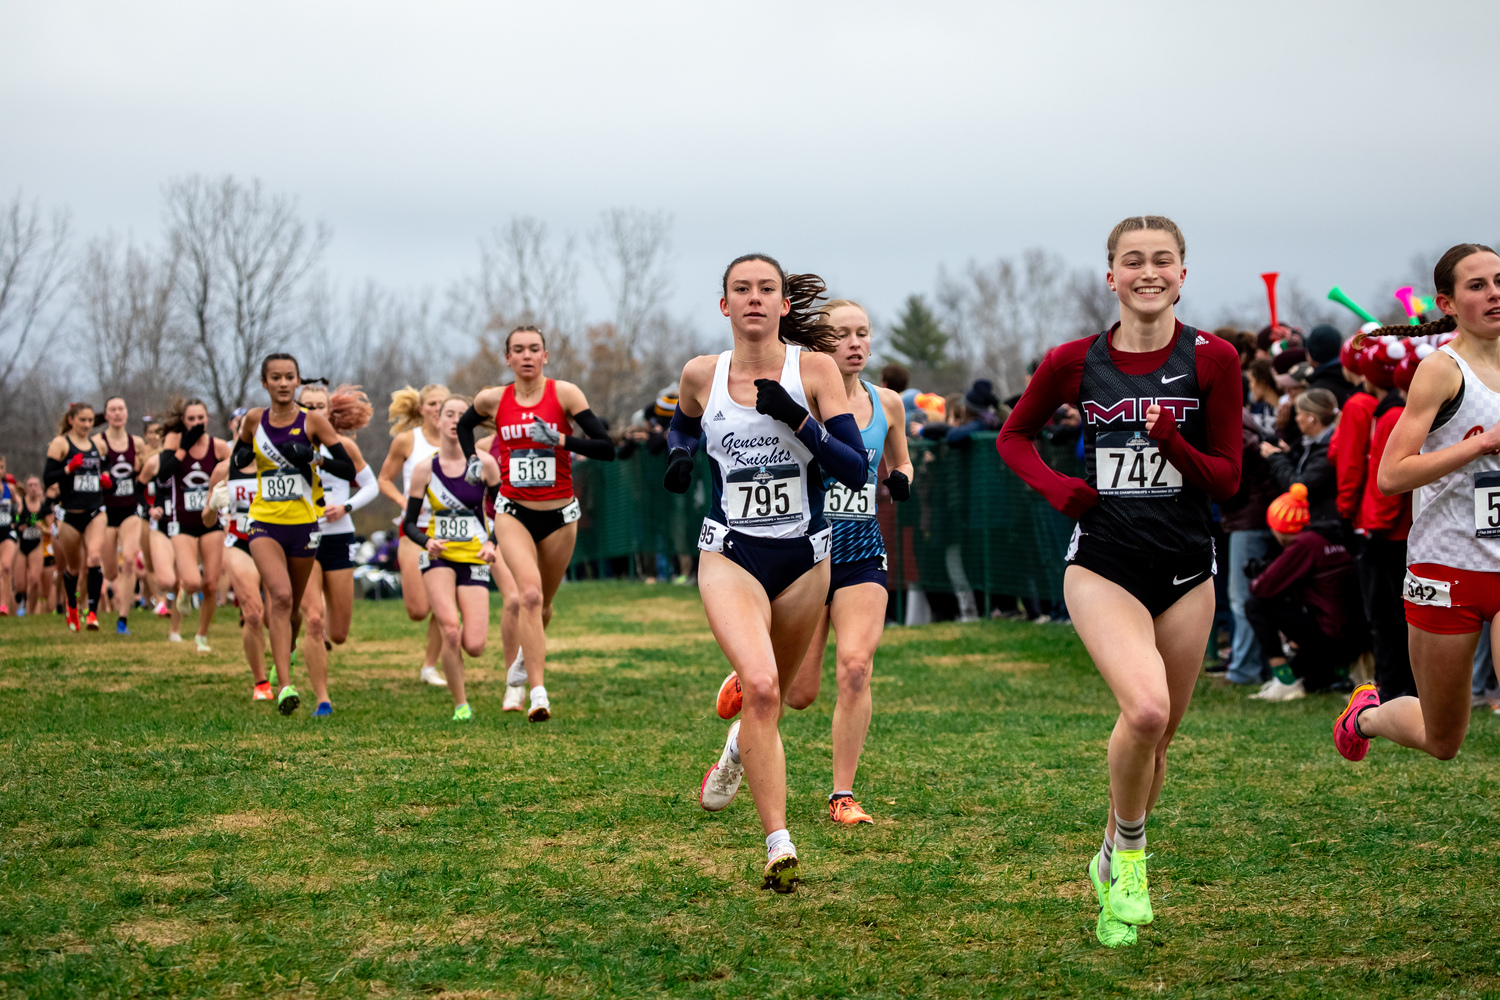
(244, 257)
(34, 267)
(126, 328)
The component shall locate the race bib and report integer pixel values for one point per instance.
(843, 504)
(1129, 464)
(173, 529)
(711, 538)
(86, 482)
(1431, 593)
(4, 519)
(1487, 505)
(32, 533)
(571, 512)
(242, 524)
(454, 527)
(820, 544)
(424, 560)
(763, 496)
(125, 487)
(276, 487)
(533, 467)
(194, 499)
(479, 571)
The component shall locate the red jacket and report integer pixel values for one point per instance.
(1349, 451)
(1388, 517)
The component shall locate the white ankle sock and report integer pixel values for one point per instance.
(734, 747)
(1130, 834)
(776, 839)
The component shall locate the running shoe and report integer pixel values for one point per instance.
(433, 677)
(722, 782)
(731, 698)
(288, 700)
(541, 708)
(1345, 736)
(91, 622)
(121, 628)
(516, 675)
(262, 692)
(174, 636)
(843, 809)
(1111, 931)
(463, 713)
(184, 602)
(1278, 690)
(515, 698)
(4, 611)
(781, 870)
(1129, 892)
(20, 611)
(323, 711)
(162, 611)
(201, 641)
(72, 619)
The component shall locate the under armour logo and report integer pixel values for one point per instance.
(719, 415)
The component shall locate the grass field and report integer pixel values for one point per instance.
(160, 835)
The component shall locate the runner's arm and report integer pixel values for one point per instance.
(1048, 390)
(1403, 467)
(395, 458)
(1217, 473)
(596, 443)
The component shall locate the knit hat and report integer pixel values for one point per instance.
(1323, 343)
(982, 395)
(666, 402)
(1288, 513)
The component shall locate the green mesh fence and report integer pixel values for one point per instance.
(969, 519)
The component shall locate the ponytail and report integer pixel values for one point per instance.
(1440, 325)
(405, 411)
(67, 421)
(805, 324)
(349, 409)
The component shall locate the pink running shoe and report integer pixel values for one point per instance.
(1352, 745)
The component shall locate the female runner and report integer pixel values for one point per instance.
(536, 518)
(122, 509)
(230, 494)
(765, 543)
(1446, 446)
(75, 466)
(35, 523)
(328, 601)
(282, 440)
(414, 433)
(1161, 409)
(187, 460)
(456, 548)
(156, 547)
(510, 607)
(856, 589)
(10, 510)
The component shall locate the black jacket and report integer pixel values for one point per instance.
(1330, 375)
(1312, 469)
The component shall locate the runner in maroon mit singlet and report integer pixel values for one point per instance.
(1161, 415)
(122, 506)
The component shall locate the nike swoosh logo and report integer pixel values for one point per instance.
(1174, 378)
(1177, 583)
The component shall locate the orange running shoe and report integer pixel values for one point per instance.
(730, 697)
(262, 692)
(843, 809)
(91, 622)
(72, 619)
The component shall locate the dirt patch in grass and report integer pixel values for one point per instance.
(158, 932)
(984, 661)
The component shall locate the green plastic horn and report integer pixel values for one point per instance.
(1337, 294)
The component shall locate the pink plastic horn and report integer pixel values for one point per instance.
(1408, 299)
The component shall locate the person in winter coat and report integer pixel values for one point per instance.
(1323, 345)
(1243, 518)
(1316, 413)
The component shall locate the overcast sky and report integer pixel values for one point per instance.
(869, 142)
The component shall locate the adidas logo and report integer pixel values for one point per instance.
(1201, 340)
(719, 415)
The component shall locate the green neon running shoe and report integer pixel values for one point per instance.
(1111, 931)
(287, 701)
(463, 713)
(1129, 895)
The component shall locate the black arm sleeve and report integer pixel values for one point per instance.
(409, 522)
(53, 471)
(167, 464)
(340, 466)
(243, 455)
(466, 424)
(597, 445)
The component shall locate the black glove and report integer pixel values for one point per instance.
(243, 455)
(191, 435)
(899, 486)
(1255, 567)
(297, 452)
(679, 471)
(774, 401)
(474, 471)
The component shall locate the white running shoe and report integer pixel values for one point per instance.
(174, 637)
(781, 869)
(1267, 686)
(201, 641)
(434, 676)
(722, 782)
(184, 603)
(515, 697)
(1277, 691)
(541, 708)
(516, 675)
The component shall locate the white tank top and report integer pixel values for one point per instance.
(761, 485)
(1456, 519)
(421, 451)
(335, 494)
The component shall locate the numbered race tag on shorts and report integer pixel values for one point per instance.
(820, 543)
(424, 560)
(454, 527)
(32, 534)
(353, 548)
(711, 538)
(125, 487)
(276, 487)
(533, 467)
(843, 504)
(1487, 505)
(194, 499)
(571, 512)
(242, 524)
(479, 571)
(173, 529)
(1129, 464)
(767, 495)
(4, 519)
(86, 482)
(313, 539)
(1430, 593)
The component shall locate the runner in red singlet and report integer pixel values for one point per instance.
(537, 515)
